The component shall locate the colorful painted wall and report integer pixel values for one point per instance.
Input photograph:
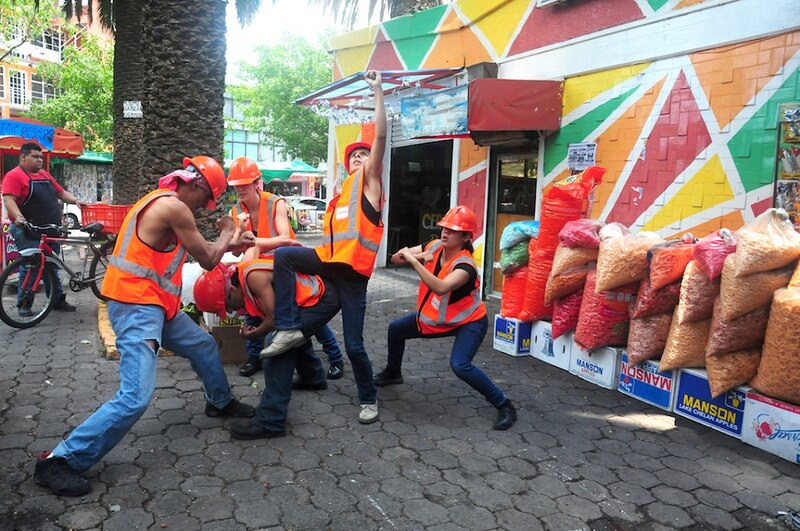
(689, 141)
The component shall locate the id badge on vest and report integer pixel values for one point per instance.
(435, 301)
(342, 212)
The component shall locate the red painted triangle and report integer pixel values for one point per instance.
(679, 135)
(384, 57)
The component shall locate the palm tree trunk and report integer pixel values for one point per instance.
(398, 8)
(128, 183)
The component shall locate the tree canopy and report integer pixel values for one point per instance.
(23, 20)
(84, 84)
(279, 75)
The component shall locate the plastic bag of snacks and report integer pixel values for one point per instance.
(767, 242)
(603, 320)
(565, 313)
(686, 344)
(567, 258)
(514, 257)
(742, 295)
(623, 260)
(698, 293)
(566, 283)
(581, 233)
(518, 232)
(668, 261)
(653, 302)
(566, 200)
(648, 337)
(741, 333)
(795, 281)
(710, 252)
(533, 305)
(731, 370)
(779, 371)
(513, 292)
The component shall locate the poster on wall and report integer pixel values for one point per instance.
(787, 166)
(581, 156)
(440, 113)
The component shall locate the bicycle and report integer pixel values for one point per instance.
(36, 269)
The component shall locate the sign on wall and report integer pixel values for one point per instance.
(443, 112)
(42, 134)
(131, 109)
(581, 156)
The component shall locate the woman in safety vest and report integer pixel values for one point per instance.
(448, 304)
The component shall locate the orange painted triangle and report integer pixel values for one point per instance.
(456, 48)
(337, 73)
(732, 75)
(616, 143)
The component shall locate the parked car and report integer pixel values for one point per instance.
(302, 202)
(72, 216)
(306, 212)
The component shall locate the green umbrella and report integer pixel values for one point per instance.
(281, 170)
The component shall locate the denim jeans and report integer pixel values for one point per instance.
(324, 335)
(136, 325)
(468, 339)
(23, 242)
(351, 297)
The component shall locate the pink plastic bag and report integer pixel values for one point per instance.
(581, 233)
(565, 313)
(711, 251)
(604, 320)
(648, 337)
(653, 302)
(697, 297)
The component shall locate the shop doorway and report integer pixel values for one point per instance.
(419, 193)
(512, 197)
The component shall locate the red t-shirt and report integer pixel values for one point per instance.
(16, 183)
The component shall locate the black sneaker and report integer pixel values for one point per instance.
(246, 431)
(63, 306)
(336, 370)
(388, 377)
(233, 409)
(506, 416)
(250, 368)
(59, 477)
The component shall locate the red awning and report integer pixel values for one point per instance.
(66, 143)
(514, 105)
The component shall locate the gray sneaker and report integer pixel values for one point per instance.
(283, 341)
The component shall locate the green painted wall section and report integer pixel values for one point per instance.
(753, 148)
(656, 4)
(557, 145)
(413, 36)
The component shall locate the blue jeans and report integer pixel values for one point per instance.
(23, 242)
(351, 297)
(136, 325)
(468, 339)
(324, 335)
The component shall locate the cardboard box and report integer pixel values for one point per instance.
(693, 401)
(230, 344)
(511, 336)
(556, 352)
(599, 366)
(773, 426)
(645, 383)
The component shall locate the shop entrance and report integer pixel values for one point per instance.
(419, 193)
(512, 197)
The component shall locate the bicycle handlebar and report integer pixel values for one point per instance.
(52, 230)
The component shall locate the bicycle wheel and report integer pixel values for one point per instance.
(33, 303)
(97, 269)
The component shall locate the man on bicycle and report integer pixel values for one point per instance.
(31, 195)
(143, 283)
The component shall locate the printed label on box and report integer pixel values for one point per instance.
(724, 413)
(599, 366)
(773, 426)
(643, 381)
(556, 352)
(512, 336)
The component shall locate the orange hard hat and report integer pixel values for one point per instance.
(243, 171)
(349, 151)
(212, 172)
(460, 218)
(211, 289)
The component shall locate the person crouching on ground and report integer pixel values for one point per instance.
(449, 304)
(143, 285)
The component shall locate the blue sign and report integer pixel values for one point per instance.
(512, 336)
(42, 134)
(643, 381)
(724, 413)
(441, 113)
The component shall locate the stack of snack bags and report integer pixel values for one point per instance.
(575, 256)
(567, 200)
(513, 264)
(651, 314)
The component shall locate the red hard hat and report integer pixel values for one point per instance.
(211, 289)
(349, 151)
(460, 218)
(243, 171)
(212, 172)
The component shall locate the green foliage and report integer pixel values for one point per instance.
(281, 74)
(23, 20)
(84, 84)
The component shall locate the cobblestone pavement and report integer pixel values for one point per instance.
(579, 457)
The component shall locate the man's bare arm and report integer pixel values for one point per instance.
(180, 219)
(10, 202)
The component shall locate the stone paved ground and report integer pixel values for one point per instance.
(580, 457)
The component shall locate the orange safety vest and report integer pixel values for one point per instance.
(435, 313)
(309, 289)
(267, 210)
(348, 236)
(139, 274)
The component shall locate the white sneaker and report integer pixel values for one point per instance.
(368, 414)
(283, 341)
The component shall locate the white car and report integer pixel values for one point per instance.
(302, 202)
(72, 216)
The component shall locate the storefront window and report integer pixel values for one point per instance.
(517, 186)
